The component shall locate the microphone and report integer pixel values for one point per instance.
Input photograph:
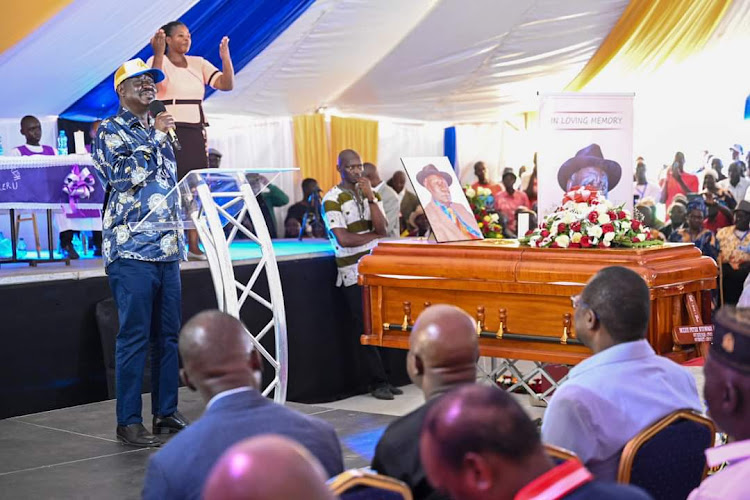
(156, 107)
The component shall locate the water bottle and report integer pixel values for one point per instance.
(21, 248)
(1, 148)
(62, 143)
(6, 247)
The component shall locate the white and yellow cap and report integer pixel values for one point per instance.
(136, 67)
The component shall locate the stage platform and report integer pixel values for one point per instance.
(72, 453)
(53, 355)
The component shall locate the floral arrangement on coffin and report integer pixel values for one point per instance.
(482, 204)
(588, 220)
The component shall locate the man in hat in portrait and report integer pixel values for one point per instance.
(450, 221)
(589, 169)
(727, 394)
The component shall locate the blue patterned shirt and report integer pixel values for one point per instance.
(138, 165)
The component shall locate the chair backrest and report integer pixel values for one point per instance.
(559, 455)
(667, 458)
(364, 484)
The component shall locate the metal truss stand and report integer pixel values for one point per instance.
(498, 367)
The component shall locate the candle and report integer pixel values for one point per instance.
(79, 144)
(523, 224)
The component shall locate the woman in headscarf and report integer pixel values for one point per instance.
(182, 92)
(695, 233)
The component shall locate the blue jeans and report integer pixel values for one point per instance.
(149, 305)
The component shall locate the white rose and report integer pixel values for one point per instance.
(485, 191)
(641, 237)
(495, 217)
(604, 218)
(606, 243)
(470, 193)
(582, 208)
(595, 231)
(568, 218)
(562, 241)
(576, 237)
(609, 237)
(553, 229)
(625, 225)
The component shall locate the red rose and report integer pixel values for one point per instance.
(585, 243)
(602, 245)
(621, 214)
(635, 240)
(478, 217)
(593, 217)
(574, 245)
(608, 228)
(635, 225)
(545, 233)
(594, 201)
(576, 227)
(612, 215)
(554, 245)
(561, 228)
(648, 235)
(529, 232)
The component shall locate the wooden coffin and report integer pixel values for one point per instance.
(529, 289)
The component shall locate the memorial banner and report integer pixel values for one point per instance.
(585, 140)
(47, 182)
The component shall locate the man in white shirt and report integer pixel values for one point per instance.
(391, 202)
(735, 183)
(727, 393)
(642, 188)
(624, 387)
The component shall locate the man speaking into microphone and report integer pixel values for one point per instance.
(136, 164)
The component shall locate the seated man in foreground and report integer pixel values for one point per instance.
(727, 393)
(220, 362)
(443, 353)
(478, 444)
(267, 468)
(624, 387)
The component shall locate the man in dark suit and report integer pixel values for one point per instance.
(477, 443)
(443, 353)
(221, 363)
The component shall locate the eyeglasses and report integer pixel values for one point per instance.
(357, 166)
(576, 302)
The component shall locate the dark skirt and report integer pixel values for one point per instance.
(194, 152)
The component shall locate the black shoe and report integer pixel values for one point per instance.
(137, 435)
(171, 424)
(395, 390)
(70, 250)
(382, 392)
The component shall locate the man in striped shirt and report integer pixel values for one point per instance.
(353, 214)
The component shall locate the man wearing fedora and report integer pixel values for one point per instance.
(589, 169)
(450, 221)
(507, 202)
(727, 394)
(137, 167)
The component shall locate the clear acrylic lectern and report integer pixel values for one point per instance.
(219, 203)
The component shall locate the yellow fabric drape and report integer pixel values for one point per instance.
(651, 31)
(20, 19)
(313, 153)
(357, 134)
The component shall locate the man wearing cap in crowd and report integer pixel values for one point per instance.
(450, 221)
(507, 202)
(734, 253)
(737, 152)
(589, 169)
(727, 394)
(136, 165)
(214, 158)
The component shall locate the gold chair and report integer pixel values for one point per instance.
(362, 484)
(558, 454)
(667, 458)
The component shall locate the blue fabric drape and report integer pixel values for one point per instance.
(747, 108)
(251, 26)
(449, 145)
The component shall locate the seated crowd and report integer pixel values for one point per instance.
(468, 440)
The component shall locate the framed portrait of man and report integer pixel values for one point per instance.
(442, 199)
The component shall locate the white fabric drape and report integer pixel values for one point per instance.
(71, 53)
(252, 143)
(479, 142)
(398, 139)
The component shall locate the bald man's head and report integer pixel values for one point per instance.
(268, 467)
(217, 354)
(443, 349)
(371, 172)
